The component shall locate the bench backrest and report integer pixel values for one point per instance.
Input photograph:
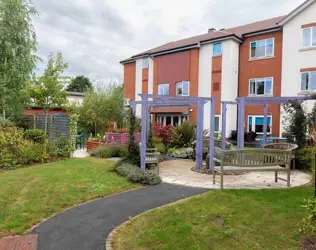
(255, 158)
(281, 146)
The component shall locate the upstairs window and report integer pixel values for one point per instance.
(145, 63)
(262, 48)
(261, 86)
(308, 81)
(163, 89)
(217, 49)
(183, 88)
(309, 37)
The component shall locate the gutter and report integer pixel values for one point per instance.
(254, 33)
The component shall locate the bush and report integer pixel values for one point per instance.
(150, 178)
(32, 153)
(110, 151)
(5, 122)
(309, 223)
(35, 135)
(60, 147)
(164, 133)
(305, 159)
(183, 153)
(135, 174)
(183, 135)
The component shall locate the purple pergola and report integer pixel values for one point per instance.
(160, 100)
(242, 102)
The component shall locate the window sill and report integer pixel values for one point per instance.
(218, 55)
(261, 58)
(307, 92)
(307, 49)
(267, 95)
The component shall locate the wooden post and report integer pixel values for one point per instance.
(265, 124)
(224, 109)
(199, 135)
(143, 137)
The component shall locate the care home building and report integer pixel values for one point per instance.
(274, 57)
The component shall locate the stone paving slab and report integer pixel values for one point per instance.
(81, 153)
(25, 242)
(179, 172)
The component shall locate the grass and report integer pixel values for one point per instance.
(231, 219)
(28, 195)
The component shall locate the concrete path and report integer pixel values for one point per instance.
(81, 153)
(87, 226)
(179, 172)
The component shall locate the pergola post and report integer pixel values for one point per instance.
(148, 123)
(143, 136)
(199, 134)
(224, 109)
(241, 123)
(265, 124)
(212, 128)
(134, 107)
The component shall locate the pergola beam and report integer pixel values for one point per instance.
(185, 98)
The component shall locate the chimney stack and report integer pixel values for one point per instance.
(211, 30)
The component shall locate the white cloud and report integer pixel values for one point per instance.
(94, 35)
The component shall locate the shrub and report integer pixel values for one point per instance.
(32, 153)
(125, 169)
(35, 135)
(150, 178)
(5, 122)
(136, 175)
(110, 151)
(164, 133)
(309, 223)
(183, 135)
(183, 153)
(305, 158)
(133, 155)
(60, 147)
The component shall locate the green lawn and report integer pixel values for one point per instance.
(31, 194)
(231, 219)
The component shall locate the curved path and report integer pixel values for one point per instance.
(86, 226)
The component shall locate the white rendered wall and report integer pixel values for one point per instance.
(205, 79)
(294, 58)
(138, 85)
(229, 91)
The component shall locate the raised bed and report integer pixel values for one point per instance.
(93, 145)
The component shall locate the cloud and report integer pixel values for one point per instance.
(94, 35)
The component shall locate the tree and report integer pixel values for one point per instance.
(79, 84)
(17, 53)
(47, 91)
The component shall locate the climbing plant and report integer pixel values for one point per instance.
(73, 119)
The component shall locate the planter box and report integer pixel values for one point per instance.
(93, 145)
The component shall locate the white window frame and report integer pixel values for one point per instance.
(219, 124)
(253, 125)
(162, 119)
(181, 82)
(145, 63)
(265, 56)
(309, 83)
(214, 55)
(310, 39)
(163, 85)
(264, 94)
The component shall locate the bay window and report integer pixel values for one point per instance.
(183, 88)
(261, 86)
(309, 37)
(262, 48)
(308, 81)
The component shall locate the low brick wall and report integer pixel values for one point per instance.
(120, 138)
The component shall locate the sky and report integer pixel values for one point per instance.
(94, 35)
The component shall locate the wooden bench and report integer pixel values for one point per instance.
(263, 160)
(153, 157)
(284, 146)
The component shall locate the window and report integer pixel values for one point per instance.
(183, 88)
(217, 49)
(309, 37)
(261, 86)
(262, 48)
(173, 120)
(255, 124)
(163, 89)
(145, 63)
(216, 128)
(308, 81)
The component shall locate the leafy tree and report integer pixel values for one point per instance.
(79, 84)
(102, 107)
(17, 53)
(47, 91)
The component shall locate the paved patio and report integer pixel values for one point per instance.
(179, 172)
